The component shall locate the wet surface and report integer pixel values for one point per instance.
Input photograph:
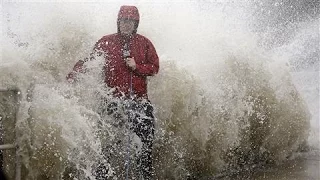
(306, 167)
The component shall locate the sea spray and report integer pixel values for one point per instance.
(221, 102)
(238, 122)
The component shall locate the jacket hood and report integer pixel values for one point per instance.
(129, 12)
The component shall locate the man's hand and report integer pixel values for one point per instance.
(131, 63)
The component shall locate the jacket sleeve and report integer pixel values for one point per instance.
(79, 67)
(151, 66)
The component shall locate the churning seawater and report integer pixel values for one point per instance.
(237, 92)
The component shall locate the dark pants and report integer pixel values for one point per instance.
(139, 116)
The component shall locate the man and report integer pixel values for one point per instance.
(129, 59)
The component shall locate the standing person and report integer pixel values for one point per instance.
(129, 59)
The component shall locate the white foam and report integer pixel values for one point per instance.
(215, 81)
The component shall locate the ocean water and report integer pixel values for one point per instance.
(237, 90)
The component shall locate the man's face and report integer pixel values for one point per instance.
(126, 26)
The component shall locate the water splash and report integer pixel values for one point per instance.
(222, 102)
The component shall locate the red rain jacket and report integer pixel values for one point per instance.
(117, 74)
